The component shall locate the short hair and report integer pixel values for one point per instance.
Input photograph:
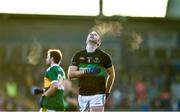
(56, 54)
(94, 37)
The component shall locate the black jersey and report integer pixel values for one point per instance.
(92, 84)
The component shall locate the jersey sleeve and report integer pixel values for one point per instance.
(107, 61)
(75, 60)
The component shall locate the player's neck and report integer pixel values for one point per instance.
(52, 63)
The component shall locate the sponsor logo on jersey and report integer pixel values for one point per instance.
(82, 58)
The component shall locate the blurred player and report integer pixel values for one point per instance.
(52, 95)
(90, 66)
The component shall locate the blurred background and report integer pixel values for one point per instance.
(143, 38)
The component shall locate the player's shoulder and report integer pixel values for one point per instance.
(56, 68)
(103, 53)
(81, 51)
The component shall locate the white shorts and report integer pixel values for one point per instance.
(46, 110)
(90, 101)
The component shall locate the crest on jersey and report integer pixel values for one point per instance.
(96, 60)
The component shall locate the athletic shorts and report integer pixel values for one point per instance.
(90, 101)
(46, 110)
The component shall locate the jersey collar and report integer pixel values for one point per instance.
(52, 66)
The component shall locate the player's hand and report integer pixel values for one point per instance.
(92, 70)
(37, 91)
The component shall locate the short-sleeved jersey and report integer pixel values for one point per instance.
(56, 100)
(92, 84)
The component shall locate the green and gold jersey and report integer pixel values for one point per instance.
(92, 84)
(56, 100)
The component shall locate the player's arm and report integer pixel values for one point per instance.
(51, 90)
(73, 72)
(110, 78)
(54, 86)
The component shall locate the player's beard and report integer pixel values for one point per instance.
(48, 63)
(90, 48)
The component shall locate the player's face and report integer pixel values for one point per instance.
(48, 62)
